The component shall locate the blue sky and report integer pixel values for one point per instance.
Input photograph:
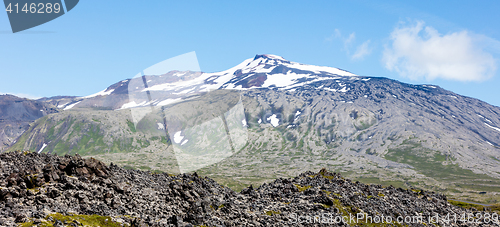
(453, 44)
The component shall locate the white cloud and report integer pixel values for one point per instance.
(337, 33)
(362, 51)
(420, 52)
(348, 42)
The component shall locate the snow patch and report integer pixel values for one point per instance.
(282, 80)
(244, 122)
(498, 129)
(297, 115)
(71, 106)
(168, 101)
(132, 105)
(178, 137)
(486, 119)
(259, 121)
(160, 126)
(274, 56)
(319, 69)
(344, 89)
(274, 120)
(43, 147)
(184, 142)
(101, 93)
(179, 74)
(185, 91)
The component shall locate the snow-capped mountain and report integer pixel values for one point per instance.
(262, 71)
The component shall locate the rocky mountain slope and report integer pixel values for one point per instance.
(15, 116)
(42, 189)
(287, 118)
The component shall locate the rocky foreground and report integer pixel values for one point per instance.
(49, 190)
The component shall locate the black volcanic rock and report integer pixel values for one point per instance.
(32, 186)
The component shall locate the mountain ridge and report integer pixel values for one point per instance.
(295, 117)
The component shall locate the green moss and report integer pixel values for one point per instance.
(272, 212)
(465, 205)
(144, 167)
(19, 145)
(156, 171)
(494, 207)
(90, 143)
(433, 164)
(27, 224)
(302, 188)
(34, 190)
(375, 180)
(50, 133)
(166, 140)
(77, 128)
(85, 220)
(364, 125)
(322, 173)
(300, 145)
(131, 126)
(61, 147)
